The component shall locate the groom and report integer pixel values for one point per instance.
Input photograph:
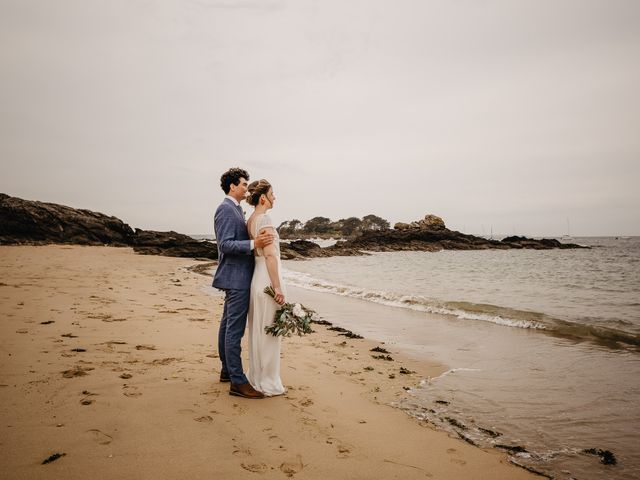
(233, 275)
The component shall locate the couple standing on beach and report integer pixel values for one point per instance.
(248, 261)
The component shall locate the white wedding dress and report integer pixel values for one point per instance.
(264, 348)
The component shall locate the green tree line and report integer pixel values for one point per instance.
(323, 227)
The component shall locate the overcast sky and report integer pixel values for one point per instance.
(516, 115)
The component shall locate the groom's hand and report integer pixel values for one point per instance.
(263, 239)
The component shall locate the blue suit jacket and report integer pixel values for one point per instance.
(235, 258)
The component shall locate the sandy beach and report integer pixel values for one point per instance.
(109, 359)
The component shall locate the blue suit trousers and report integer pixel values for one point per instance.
(232, 326)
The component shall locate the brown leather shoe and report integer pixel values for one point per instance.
(224, 378)
(245, 390)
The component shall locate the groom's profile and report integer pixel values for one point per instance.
(233, 276)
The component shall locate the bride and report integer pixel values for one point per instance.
(264, 349)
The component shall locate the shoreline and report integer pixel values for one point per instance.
(135, 339)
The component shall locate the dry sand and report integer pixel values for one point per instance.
(109, 358)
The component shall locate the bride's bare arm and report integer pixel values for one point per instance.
(271, 259)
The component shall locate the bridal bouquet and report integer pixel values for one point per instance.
(290, 318)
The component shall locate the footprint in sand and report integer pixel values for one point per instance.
(344, 451)
(255, 467)
(100, 437)
(240, 409)
(131, 391)
(306, 402)
(163, 361)
(241, 451)
(204, 418)
(292, 467)
(145, 347)
(76, 371)
(308, 421)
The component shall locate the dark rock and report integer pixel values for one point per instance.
(542, 244)
(38, 223)
(512, 448)
(345, 332)
(322, 322)
(53, 458)
(300, 249)
(25, 222)
(466, 439)
(606, 456)
(172, 244)
(379, 350)
(338, 329)
(388, 358)
(455, 423)
(350, 334)
(491, 433)
(431, 234)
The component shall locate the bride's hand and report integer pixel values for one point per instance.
(279, 297)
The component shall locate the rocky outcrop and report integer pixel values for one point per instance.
(301, 249)
(29, 222)
(542, 244)
(25, 222)
(429, 222)
(36, 223)
(431, 234)
(172, 244)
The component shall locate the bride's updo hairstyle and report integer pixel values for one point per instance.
(256, 190)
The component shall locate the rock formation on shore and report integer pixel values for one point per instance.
(24, 222)
(429, 234)
(30, 222)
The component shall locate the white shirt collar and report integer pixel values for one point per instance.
(237, 204)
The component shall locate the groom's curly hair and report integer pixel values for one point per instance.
(233, 175)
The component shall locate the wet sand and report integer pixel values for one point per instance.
(109, 360)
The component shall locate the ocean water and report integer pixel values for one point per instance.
(543, 347)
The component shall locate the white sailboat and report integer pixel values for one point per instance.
(568, 236)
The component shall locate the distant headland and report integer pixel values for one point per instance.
(27, 222)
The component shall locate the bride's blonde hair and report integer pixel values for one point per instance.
(256, 190)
